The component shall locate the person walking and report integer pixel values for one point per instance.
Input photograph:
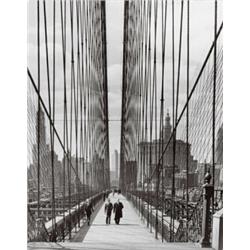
(118, 206)
(108, 210)
(107, 193)
(89, 210)
(104, 195)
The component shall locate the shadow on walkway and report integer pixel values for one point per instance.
(96, 225)
(79, 237)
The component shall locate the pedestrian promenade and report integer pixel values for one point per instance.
(130, 234)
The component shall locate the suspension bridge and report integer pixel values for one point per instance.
(171, 134)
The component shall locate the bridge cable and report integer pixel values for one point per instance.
(50, 112)
(176, 111)
(39, 109)
(187, 122)
(191, 93)
(174, 134)
(154, 106)
(164, 25)
(214, 98)
(65, 123)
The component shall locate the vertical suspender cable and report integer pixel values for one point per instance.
(76, 97)
(146, 96)
(187, 121)
(85, 98)
(39, 109)
(51, 133)
(150, 108)
(164, 25)
(173, 119)
(214, 94)
(53, 119)
(82, 100)
(161, 112)
(154, 100)
(86, 107)
(141, 47)
(65, 119)
(177, 98)
(139, 124)
(71, 111)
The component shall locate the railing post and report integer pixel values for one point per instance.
(208, 190)
(217, 239)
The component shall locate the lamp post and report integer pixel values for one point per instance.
(208, 190)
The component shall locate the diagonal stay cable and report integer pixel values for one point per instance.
(47, 113)
(190, 95)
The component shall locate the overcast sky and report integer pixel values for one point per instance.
(201, 35)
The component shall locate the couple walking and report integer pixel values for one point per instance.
(117, 210)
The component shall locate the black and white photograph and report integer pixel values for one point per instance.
(117, 118)
(125, 124)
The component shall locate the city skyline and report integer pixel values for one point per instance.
(125, 105)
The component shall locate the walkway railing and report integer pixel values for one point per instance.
(38, 230)
(166, 154)
(68, 132)
(146, 206)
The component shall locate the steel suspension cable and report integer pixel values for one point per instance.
(65, 119)
(81, 99)
(150, 106)
(164, 25)
(48, 115)
(190, 94)
(174, 132)
(176, 113)
(154, 106)
(141, 47)
(78, 79)
(187, 122)
(51, 115)
(214, 96)
(146, 103)
(39, 109)
(179, 63)
(72, 86)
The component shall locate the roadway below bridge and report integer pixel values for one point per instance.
(131, 233)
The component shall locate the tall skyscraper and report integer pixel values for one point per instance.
(42, 129)
(115, 168)
(167, 128)
(219, 146)
(116, 163)
(40, 136)
(118, 169)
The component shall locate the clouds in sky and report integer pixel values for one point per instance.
(114, 19)
(201, 36)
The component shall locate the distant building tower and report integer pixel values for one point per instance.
(42, 129)
(41, 132)
(116, 164)
(219, 146)
(118, 168)
(167, 128)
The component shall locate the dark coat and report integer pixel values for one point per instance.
(118, 210)
(89, 209)
(108, 208)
